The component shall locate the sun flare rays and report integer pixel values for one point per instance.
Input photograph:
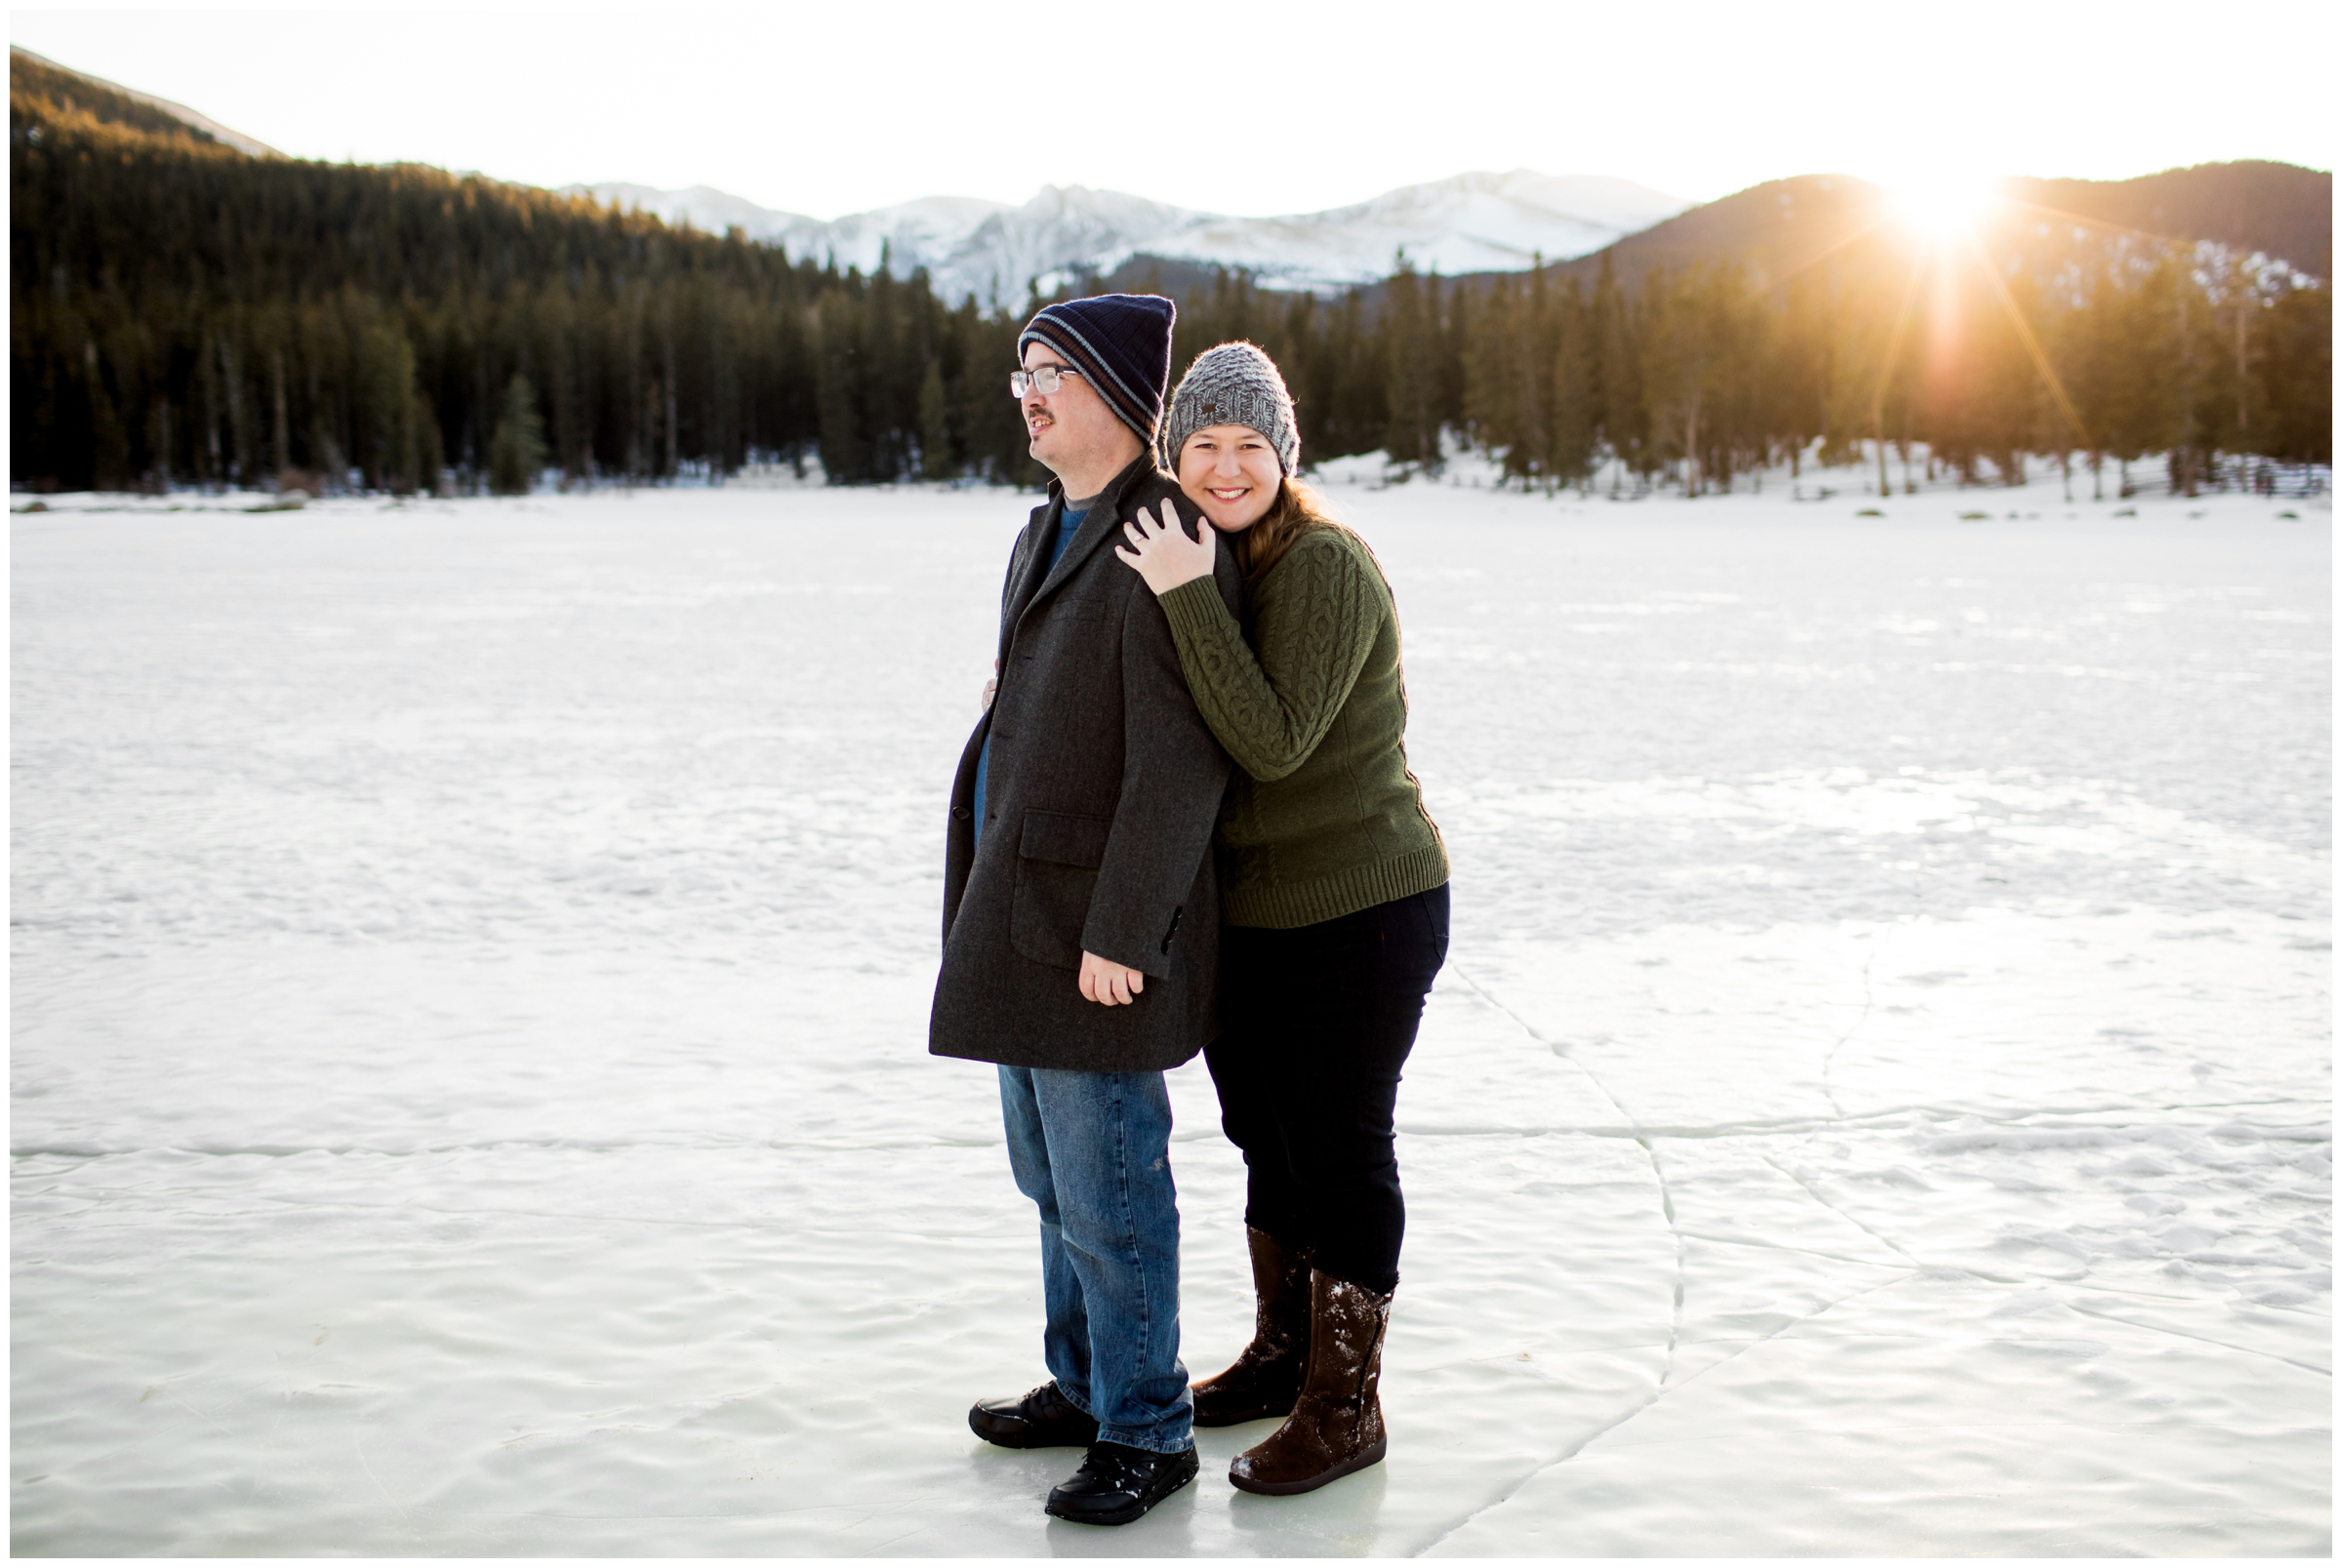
(1949, 213)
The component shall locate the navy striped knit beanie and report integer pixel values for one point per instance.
(1121, 344)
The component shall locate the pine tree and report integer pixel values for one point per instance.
(1411, 371)
(1574, 432)
(936, 460)
(1620, 407)
(2295, 373)
(516, 453)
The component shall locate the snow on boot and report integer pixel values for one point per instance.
(1116, 1483)
(1266, 1379)
(1337, 1424)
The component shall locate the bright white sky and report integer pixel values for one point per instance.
(1252, 107)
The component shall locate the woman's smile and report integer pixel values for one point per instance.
(1232, 473)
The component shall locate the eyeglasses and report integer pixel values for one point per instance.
(1043, 380)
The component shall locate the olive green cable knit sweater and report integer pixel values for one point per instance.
(1323, 818)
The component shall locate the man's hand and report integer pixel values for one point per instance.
(1108, 984)
(992, 687)
(1162, 553)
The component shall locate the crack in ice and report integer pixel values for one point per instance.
(1830, 1055)
(1634, 1130)
(1803, 1251)
(2200, 1339)
(1808, 1189)
(1657, 1394)
(1667, 1200)
(1808, 1124)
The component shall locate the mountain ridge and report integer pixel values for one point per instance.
(200, 124)
(1473, 221)
(2252, 207)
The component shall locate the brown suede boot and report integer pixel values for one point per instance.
(1337, 1425)
(1266, 1379)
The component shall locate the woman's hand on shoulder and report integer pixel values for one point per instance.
(1161, 553)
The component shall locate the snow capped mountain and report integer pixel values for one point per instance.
(1063, 232)
(1471, 223)
(702, 207)
(1474, 222)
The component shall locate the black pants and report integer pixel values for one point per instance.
(1316, 1024)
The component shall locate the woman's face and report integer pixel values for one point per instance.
(1231, 473)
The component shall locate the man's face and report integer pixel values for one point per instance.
(1073, 428)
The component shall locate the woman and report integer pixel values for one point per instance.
(1334, 909)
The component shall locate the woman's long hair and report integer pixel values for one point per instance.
(1297, 511)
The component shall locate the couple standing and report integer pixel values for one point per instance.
(1185, 821)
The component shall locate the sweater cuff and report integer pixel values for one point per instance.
(1196, 609)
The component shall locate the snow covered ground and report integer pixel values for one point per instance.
(470, 967)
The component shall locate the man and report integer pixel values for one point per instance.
(1081, 914)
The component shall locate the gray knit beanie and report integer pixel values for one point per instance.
(1234, 383)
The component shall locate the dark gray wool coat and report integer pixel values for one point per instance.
(1099, 800)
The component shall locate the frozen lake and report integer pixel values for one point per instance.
(471, 965)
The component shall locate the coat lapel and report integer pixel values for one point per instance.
(1037, 534)
(1104, 520)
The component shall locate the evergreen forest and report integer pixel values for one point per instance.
(184, 313)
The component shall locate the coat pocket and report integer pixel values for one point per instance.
(1058, 856)
(1081, 602)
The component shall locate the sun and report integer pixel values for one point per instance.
(1941, 206)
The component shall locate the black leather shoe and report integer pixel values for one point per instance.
(1116, 1483)
(1041, 1419)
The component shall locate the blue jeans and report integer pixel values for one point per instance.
(1093, 1151)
